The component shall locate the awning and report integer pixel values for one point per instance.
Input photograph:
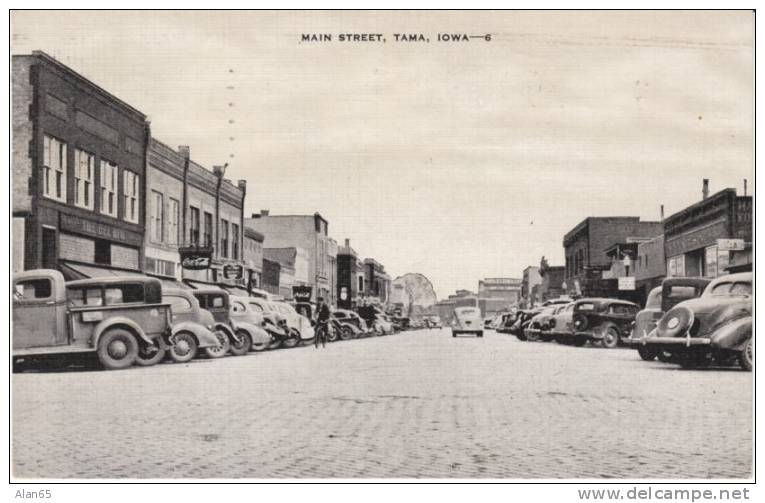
(172, 283)
(235, 290)
(73, 271)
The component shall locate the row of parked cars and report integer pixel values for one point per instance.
(690, 321)
(134, 320)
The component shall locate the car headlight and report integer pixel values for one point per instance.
(211, 327)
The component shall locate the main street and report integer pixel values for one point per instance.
(416, 404)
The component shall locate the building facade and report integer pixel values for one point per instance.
(710, 237)
(531, 279)
(271, 276)
(376, 282)
(585, 250)
(192, 208)
(253, 257)
(307, 232)
(78, 163)
(650, 266)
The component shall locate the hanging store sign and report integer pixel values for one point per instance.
(195, 258)
(302, 293)
(627, 283)
(231, 271)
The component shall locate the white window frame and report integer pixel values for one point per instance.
(158, 216)
(109, 176)
(54, 168)
(130, 192)
(84, 173)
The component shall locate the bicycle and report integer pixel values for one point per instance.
(321, 334)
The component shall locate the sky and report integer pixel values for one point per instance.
(458, 160)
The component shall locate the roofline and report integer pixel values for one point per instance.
(61, 66)
(703, 202)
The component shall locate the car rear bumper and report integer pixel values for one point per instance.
(589, 335)
(676, 341)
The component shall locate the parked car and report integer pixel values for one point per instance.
(298, 326)
(561, 326)
(467, 320)
(217, 301)
(193, 328)
(539, 325)
(114, 318)
(661, 299)
(433, 322)
(714, 328)
(505, 323)
(522, 319)
(603, 321)
(356, 327)
(260, 312)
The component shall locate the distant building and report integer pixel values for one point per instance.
(348, 269)
(553, 278)
(498, 294)
(271, 276)
(293, 267)
(650, 266)
(531, 279)
(377, 281)
(253, 256)
(307, 232)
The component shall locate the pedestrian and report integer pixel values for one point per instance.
(322, 323)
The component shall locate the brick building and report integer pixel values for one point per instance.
(585, 250)
(376, 281)
(78, 165)
(348, 268)
(650, 265)
(498, 294)
(190, 206)
(710, 237)
(253, 256)
(307, 232)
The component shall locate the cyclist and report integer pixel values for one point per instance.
(322, 322)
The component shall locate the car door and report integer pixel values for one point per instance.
(39, 317)
(180, 307)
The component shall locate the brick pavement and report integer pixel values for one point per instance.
(417, 404)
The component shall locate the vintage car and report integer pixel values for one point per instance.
(262, 312)
(539, 326)
(505, 323)
(257, 313)
(660, 300)
(115, 317)
(561, 326)
(467, 320)
(433, 321)
(193, 328)
(714, 328)
(352, 325)
(522, 319)
(241, 333)
(603, 321)
(297, 324)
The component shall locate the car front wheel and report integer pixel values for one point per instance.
(746, 357)
(117, 349)
(243, 345)
(610, 337)
(184, 347)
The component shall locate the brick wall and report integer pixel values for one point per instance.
(124, 256)
(76, 248)
(22, 133)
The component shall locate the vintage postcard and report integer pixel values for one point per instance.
(382, 245)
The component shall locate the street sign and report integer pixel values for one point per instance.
(730, 244)
(627, 283)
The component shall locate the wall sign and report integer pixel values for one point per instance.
(231, 271)
(80, 225)
(730, 244)
(627, 283)
(194, 258)
(302, 293)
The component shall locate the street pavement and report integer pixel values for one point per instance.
(416, 404)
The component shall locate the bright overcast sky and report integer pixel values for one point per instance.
(456, 160)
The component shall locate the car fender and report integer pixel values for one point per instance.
(256, 333)
(226, 329)
(733, 335)
(205, 338)
(116, 322)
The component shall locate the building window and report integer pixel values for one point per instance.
(130, 191)
(54, 169)
(84, 168)
(224, 238)
(234, 241)
(158, 216)
(194, 226)
(108, 188)
(207, 233)
(676, 266)
(172, 222)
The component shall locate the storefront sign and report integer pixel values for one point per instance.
(627, 283)
(231, 271)
(195, 258)
(730, 244)
(302, 293)
(109, 232)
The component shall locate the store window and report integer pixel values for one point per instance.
(158, 216)
(54, 168)
(676, 266)
(84, 170)
(108, 188)
(130, 191)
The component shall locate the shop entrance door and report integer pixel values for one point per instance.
(49, 248)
